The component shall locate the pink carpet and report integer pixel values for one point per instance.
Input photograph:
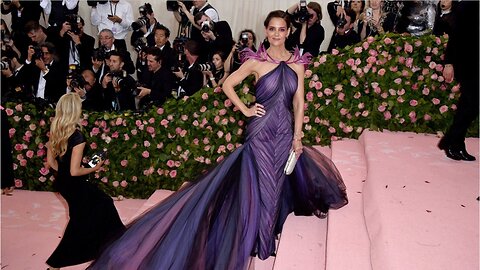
(410, 208)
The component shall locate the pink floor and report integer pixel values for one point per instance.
(410, 208)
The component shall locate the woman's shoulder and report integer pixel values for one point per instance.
(76, 138)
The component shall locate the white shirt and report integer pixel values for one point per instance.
(122, 9)
(41, 84)
(47, 5)
(210, 12)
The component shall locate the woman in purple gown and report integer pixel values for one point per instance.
(237, 209)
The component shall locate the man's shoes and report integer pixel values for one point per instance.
(456, 154)
(466, 156)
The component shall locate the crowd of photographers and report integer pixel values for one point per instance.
(41, 64)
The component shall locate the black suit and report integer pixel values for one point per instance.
(95, 100)
(192, 82)
(342, 41)
(162, 83)
(84, 49)
(19, 85)
(55, 85)
(463, 53)
(168, 56)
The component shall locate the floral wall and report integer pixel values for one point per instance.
(391, 82)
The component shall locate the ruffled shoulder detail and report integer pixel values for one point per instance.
(304, 59)
(262, 56)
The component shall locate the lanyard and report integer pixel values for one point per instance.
(113, 11)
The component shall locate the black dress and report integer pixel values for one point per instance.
(93, 216)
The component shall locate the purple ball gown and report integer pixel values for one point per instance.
(237, 208)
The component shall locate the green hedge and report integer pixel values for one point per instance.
(392, 82)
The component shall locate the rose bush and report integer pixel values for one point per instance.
(390, 82)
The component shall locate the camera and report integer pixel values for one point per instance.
(179, 50)
(38, 52)
(93, 3)
(243, 42)
(143, 20)
(369, 12)
(205, 67)
(341, 21)
(77, 80)
(73, 20)
(140, 44)
(206, 26)
(7, 2)
(100, 53)
(173, 5)
(4, 65)
(302, 14)
(124, 81)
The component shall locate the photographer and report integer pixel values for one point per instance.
(144, 27)
(16, 80)
(75, 46)
(89, 90)
(108, 45)
(217, 36)
(59, 10)
(344, 34)
(21, 13)
(119, 87)
(215, 76)
(48, 77)
(309, 33)
(190, 77)
(247, 39)
(198, 6)
(115, 15)
(161, 82)
(162, 33)
(98, 65)
(376, 21)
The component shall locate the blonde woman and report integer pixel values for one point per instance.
(376, 21)
(93, 217)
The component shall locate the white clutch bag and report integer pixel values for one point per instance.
(291, 161)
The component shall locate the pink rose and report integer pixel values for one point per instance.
(123, 183)
(220, 134)
(115, 184)
(343, 111)
(318, 85)
(413, 102)
(18, 147)
(387, 115)
(203, 109)
(328, 91)
(350, 62)
(339, 66)
(29, 154)
(387, 41)
(381, 108)
(204, 96)
(9, 111)
(145, 154)
(365, 113)
(18, 183)
(426, 91)
(427, 117)
(44, 171)
(19, 107)
(173, 173)
(443, 109)
(160, 111)
(95, 131)
(331, 130)
(408, 48)
(381, 72)
(341, 96)
(308, 73)
(124, 163)
(335, 52)
(357, 50)
(164, 122)
(40, 153)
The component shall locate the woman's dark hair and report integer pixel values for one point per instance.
(277, 14)
(317, 8)
(221, 54)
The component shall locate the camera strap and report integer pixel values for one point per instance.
(113, 11)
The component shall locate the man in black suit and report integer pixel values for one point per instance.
(462, 58)
(217, 36)
(16, 80)
(161, 82)
(344, 34)
(49, 79)
(162, 34)
(75, 46)
(107, 41)
(190, 78)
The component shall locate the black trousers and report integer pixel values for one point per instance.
(467, 112)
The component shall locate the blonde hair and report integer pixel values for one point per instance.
(65, 122)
